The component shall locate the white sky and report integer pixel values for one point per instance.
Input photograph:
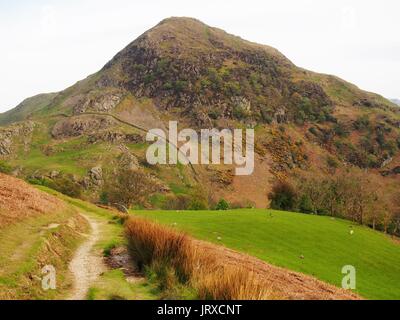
(47, 45)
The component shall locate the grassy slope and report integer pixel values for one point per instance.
(27, 108)
(281, 238)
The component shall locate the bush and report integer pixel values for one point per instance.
(340, 130)
(314, 131)
(178, 202)
(184, 202)
(64, 184)
(107, 251)
(305, 205)
(180, 85)
(242, 205)
(332, 162)
(283, 196)
(222, 205)
(5, 167)
(198, 204)
(104, 198)
(67, 186)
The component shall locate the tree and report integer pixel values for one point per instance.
(396, 216)
(130, 187)
(315, 188)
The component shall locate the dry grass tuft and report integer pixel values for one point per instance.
(177, 260)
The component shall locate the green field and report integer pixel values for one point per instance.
(284, 238)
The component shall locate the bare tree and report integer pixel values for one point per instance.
(130, 187)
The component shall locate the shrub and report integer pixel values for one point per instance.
(5, 167)
(63, 184)
(184, 202)
(108, 249)
(305, 205)
(176, 202)
(222, 205)
(314, 131)
(104, 198)
(283, 196)
(332, 162)
(67, 186)
(340, 130)
(242, 205)
(168, 86)
(198, 204)
(362, 123)
(180, 85)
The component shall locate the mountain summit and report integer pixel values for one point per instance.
(204, 77)
(208, 74)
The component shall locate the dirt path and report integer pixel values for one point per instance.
(87, 265)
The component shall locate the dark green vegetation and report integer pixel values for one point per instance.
(319, 246)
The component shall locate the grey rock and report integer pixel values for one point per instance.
(75, 127)
(96, 174)
(9, 134)
(54, 174)
(104, 102)
(129, 161)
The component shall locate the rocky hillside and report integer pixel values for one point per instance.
(204, 77)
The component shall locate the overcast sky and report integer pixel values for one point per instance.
(47, 45)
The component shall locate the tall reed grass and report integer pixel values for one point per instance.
(178, 261)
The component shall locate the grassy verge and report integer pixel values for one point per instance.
(113, 286)
(314, 245)
(34, 243)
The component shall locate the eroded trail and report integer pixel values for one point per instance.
(87, 264)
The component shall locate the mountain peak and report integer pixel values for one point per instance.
(191, 37)
(179, 21)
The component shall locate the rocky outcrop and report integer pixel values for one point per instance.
(115, 137)
(5, 143)
(94, 178)
(54, 174)
(77, 126)
(8, 136)
(128, 161)
(98, 102)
